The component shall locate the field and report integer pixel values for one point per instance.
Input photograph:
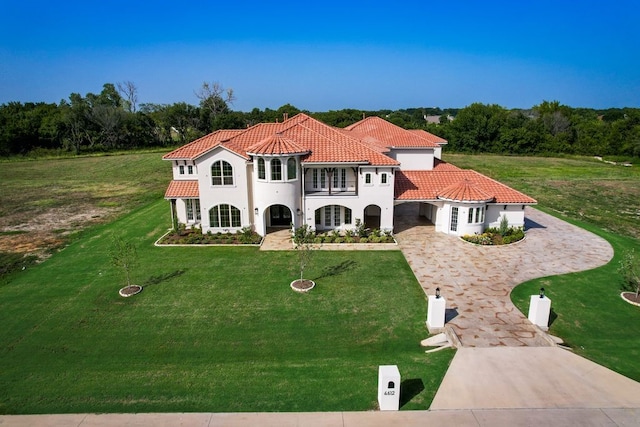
(218, 329)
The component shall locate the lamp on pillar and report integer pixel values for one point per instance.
(438, 292)
(541, 292)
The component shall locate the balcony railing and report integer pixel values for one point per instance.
(348, 189)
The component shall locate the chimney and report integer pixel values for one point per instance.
(285, 116)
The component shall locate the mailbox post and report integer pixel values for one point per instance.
(388, 387)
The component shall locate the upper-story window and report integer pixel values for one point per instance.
(276, 170)
(292, 169)
(181, 169)
(190, 170)
(384, 179)
(221, 173)
(367, 178)
(262, 173)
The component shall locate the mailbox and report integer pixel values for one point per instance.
(388, 387)
(436, 313)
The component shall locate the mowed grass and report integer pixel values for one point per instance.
(584, 189)
(215, 329)
(588, 313)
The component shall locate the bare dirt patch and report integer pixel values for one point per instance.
(47, 230)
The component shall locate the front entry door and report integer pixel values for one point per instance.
(280, 216)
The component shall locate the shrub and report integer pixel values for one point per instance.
(364, 240)
(338, 240)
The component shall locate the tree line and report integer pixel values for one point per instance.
(115, 120)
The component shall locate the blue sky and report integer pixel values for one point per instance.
(327, 55)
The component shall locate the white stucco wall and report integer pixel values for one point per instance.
(175, 167)
(235, 195)
(414, 159)
(376, 193)
(514, 213)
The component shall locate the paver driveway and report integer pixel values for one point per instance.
(476, 280)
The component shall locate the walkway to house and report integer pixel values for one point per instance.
(476, 280)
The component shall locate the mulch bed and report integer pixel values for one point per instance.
(631, 297)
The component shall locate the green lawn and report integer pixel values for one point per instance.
(588, 313)
(215, 329)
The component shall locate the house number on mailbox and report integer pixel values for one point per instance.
(389, 393)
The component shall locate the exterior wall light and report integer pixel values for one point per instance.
(255, 211)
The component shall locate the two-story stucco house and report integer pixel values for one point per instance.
(302, 171)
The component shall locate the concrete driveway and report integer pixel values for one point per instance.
(476, 280)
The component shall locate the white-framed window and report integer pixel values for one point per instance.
(181, 169)
(367, 178)
(292, 169)
(454, 219)
(476, 215)
(319, 179)
(340, 178)
(221, 173)
(262, 171)
(224, 216)
(332, 216)
(190, 169)
(384, 179)
(276, 170)
(193, 209)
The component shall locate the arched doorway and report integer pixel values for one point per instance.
(372, 216)
(279, 216)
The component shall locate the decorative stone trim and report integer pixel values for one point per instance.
(626, 300)
(131, 293)
(302, 289)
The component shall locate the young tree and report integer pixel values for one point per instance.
(630, 271)
(303, 241)
(124, 256)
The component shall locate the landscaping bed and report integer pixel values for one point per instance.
(195, 236)
(493, 236)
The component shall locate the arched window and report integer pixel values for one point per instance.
(224, 216)
(221, 173)
(261, 170)
(292, 170)
(276, 170)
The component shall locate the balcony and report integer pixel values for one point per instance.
(346, 188)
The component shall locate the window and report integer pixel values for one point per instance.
(224, 216)
(331, 216)
(340, 178)
(190, 170)
(221, 173)
(262, 174)
(181, 168)
(193, 209)
(479, 215)
(276, 170)
(383, 178)
(454, 219)
(292, 170)
(367, 178)
(319, 178)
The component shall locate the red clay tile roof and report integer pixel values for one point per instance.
(465, 191)
(376, 131)
(201, 145)
(181, 189)
(324, 143)
(428, 185)
(276, 144)
(429, 136)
